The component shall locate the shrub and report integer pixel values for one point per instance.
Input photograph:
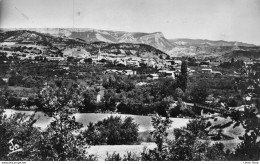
(128, 157)
(113, 157)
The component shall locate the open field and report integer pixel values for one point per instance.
(144, 122)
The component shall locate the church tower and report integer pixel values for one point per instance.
(99, 56)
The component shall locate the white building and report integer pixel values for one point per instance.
(152, 76)
(205, 70)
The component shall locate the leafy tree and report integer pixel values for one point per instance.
(249, 148)
(17, 133)
(179, 93)
(2, 82)
(182, 79)
(89, 102)
(186, 145)
(88, 60)
(61, 140)
(160, 134)
(199, 94)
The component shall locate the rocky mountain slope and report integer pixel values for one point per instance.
(156, 39)
(25, 36)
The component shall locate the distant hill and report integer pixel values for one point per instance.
(222, 50)
(140, 50)
(205, 42)
(23, 36)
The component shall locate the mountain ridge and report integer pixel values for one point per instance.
(198, 42)
(149, 42)
(155, 39)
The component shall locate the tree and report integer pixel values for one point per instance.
(179, 93)
(89, 102)
(199, 94)
(160, 134)
(2, 82)
(59, 141)
(232, 60)
(249, 148)
(88, 60)
(183, 77)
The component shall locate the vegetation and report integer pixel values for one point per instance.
(58, 141)
(112, 131)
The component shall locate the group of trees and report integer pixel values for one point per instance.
(233, 64)
(112, 131)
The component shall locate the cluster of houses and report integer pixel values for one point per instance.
(119, 72)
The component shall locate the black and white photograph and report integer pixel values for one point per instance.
(129, 80)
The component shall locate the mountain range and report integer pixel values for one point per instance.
(155, 39)
(52, 40)
(205, 42)
(172, 47)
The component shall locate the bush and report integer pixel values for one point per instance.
(15, 80)
(128, 157)
(112, 131)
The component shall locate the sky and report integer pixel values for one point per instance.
(231, 20)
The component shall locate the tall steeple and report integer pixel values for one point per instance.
(99, 57)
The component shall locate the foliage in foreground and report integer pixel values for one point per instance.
(58, 142)
(192, 143)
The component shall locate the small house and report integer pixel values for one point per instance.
(205, 70)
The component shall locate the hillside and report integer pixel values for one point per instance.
(26, 36)
(156, 39)
(140, 50)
